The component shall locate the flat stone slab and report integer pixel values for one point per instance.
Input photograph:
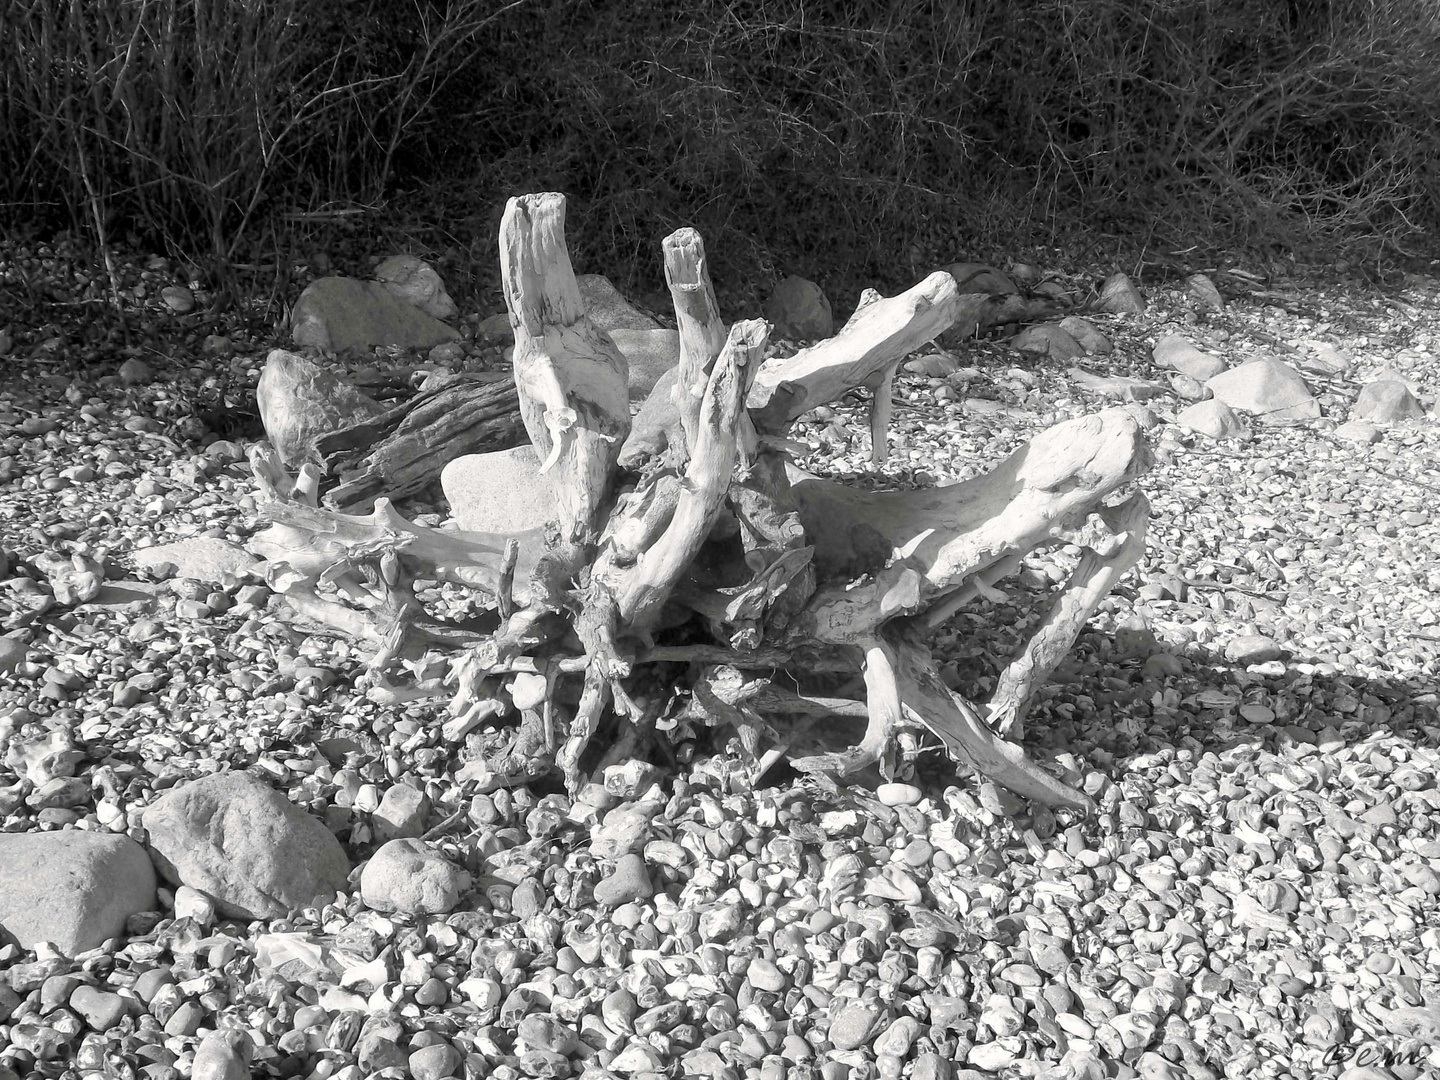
(1269, 389)
(504, 492)
(205, 558)
(342, 314)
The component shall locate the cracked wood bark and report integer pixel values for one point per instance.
(570, 377)
(403, 450)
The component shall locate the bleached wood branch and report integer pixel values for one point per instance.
(570, 376)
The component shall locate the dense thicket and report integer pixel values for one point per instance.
(851, 140)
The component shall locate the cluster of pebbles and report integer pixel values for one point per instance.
(1254, 712)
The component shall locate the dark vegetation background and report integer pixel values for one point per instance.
(856, 142)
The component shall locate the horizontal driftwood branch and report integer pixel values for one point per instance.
(403, 450)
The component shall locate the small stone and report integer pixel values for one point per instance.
(99, 1009)
(764, 975)
(405, 875)
(1358, 431)
(544, 1032)
(194, 905)
(435, 1062)
(628, 882)
(432, 992)
(135, 372)
(853, 1024)
(1202, 289)
(1120, 296)
(895, 794)
(1387, 401)
(1252, 649)
(401, 813)
(186, 1019)
(178, 299)
(1178, 354)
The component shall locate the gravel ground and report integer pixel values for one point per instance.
(1254, 711)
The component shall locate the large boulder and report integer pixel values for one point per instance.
(503, 492)
(300, 401)
(649, 354)
(73, 889)
(1174, 352)
(1270, 390)
(607, 306)
(980, 278)
(238, 840)
(1386, 401)
(342, 314)
(655, 425)
(418, 284)
(800, 310)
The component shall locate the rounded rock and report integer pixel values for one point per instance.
(406, 876)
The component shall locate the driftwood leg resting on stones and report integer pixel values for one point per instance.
(882, 408)
(1090, 583)
(706, 582)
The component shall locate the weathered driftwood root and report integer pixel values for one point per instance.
(710, 583)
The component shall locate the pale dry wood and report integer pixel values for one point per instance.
(1100, 567)
(918, 545)
(958, 725)
(883, 714)
(876, 337)
(642, 589)
(570, 376)
(882, 409)
(697, 317)
(882, 387)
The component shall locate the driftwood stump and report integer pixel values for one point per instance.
(697, 577)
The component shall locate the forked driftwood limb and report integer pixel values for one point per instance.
(707, 582)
